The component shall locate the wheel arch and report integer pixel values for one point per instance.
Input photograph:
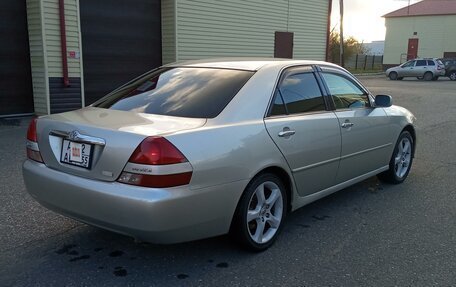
(429, 72)
(286, 179)
(282, 174)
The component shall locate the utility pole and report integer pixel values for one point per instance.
(341, 5)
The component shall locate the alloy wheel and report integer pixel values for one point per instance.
(265, 212)
(403, 157)
(453, 76)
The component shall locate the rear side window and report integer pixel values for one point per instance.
(180, 92)
(299, 93)
(430, 63)
(421, 63)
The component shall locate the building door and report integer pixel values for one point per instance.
(283, 45)
(121, 39)
(16, 94)
(412, 52)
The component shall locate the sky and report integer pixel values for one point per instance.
(363, 18)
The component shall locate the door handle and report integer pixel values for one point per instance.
(347, 125)
(284, 134)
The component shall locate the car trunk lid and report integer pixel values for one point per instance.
(97, 143)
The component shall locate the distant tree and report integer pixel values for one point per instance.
(351, 47)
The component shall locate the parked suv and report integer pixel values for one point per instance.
(427, 69)
(450, 68)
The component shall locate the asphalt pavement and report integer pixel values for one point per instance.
(371, 234)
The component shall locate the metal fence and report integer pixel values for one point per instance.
(364, 62)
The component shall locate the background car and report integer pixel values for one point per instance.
(450, 68)
(200, 149)
(427, 69)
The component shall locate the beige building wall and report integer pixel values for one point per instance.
(194, 29)
(52, 36)
(168, 29)
(436, 34)
(45, 48)
(37, 57)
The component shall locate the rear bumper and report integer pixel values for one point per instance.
(168, 215)
(440, 73)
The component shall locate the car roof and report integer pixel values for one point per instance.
(248, 64)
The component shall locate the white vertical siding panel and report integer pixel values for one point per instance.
(37, 59)
(52, 36)
(168, 29)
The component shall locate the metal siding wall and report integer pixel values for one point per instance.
(208, 28)
(52, 36)
(15, 74)
(308, 20)
(63, 98)
(39, 80)
(168, 31)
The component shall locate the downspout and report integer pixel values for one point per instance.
(63, 44)
(328, 30)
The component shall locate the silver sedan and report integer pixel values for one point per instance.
(199, 149)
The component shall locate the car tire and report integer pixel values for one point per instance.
(260, 213)
(401, 160)
(452, 76)
(428, 76)
(392, 76)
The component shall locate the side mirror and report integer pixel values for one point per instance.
(383, 101)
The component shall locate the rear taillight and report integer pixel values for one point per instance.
(157, 163)
(33, 151)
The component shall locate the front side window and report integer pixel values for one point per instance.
(300, 93)
(345, 93)
(409, 64)
(181, 92)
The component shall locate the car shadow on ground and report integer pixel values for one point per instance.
(97, 252)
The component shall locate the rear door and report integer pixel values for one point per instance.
(366, 140)
(305, 130)
(421, 67)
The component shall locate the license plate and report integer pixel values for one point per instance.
(78, 154)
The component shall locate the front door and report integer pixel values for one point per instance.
(305, 130)
(366, 143)
(407, 69)
(412, 52)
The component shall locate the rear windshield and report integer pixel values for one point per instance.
(180, 92)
